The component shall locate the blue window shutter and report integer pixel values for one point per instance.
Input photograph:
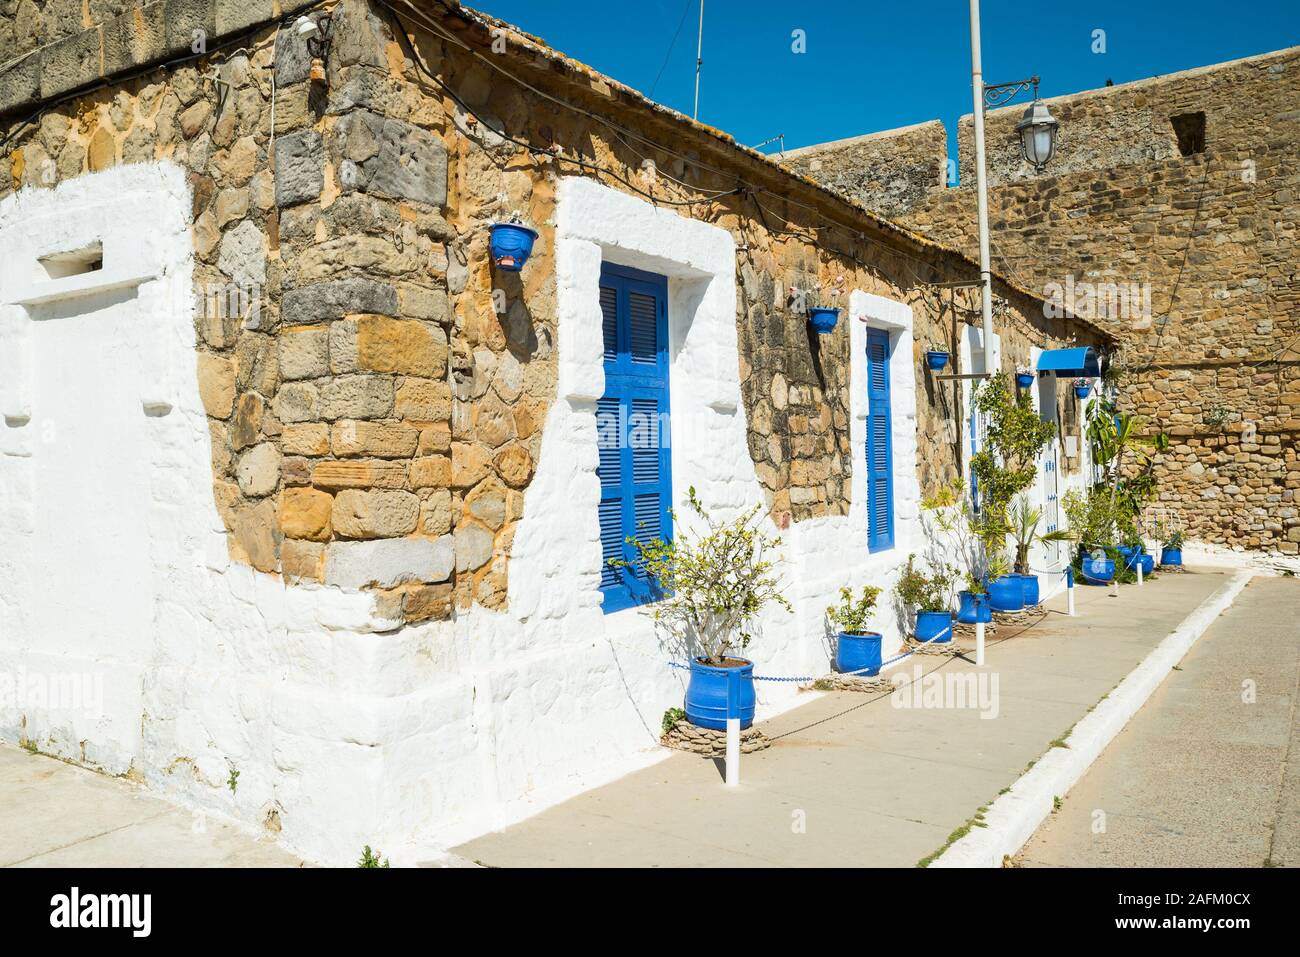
(880, 465)
(632, 429)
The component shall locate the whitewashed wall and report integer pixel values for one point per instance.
(344, 729)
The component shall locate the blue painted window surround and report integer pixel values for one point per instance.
(880, 457)
(632, 429)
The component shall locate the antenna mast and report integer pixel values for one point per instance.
(699, 49)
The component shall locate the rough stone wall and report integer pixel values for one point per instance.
(1209, 237)
(375, 398)
(890, 172)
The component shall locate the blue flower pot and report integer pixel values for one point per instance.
(511, 245)
(1098, 571)
(1171, 556)
(706, 694)
(1029, 587)
(934, 626)
(1006, 594)
(1081, 391)
(974, 608)
(1148, 563)
(823, 319)
(936, 360)
(1131, 555)
(1024, 379)
(855, 652)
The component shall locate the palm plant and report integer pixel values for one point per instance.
(1024, 520)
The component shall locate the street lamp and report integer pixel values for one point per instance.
(1037, 130)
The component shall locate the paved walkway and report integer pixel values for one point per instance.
(852, 781)
(1199, 777)
(53, 814)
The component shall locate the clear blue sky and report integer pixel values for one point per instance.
(874, 65)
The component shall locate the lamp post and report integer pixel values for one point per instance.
(1037, 141)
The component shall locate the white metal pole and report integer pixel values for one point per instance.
(733, 728)
(1069, 594)
(1139, 571)
(981, 186)
(733, 752)
(979, 644)
(699, 54)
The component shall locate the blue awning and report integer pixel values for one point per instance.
(1081, 362)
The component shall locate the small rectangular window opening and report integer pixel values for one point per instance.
(1190, 130)
(73, 263)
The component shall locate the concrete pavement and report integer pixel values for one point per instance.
(854, 781)
(53, 814)
(1202, 776)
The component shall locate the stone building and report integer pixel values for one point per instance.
(1168, 215)
(314, 495)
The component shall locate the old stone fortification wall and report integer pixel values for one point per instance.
(1210, 237)
(890, 172)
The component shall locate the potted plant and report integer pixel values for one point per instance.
(1082, 387)
(929, 595)
(1006, 591)
(857, 649)
(937, 358)
(1024, 376)
(824, 318)
(973, 601)
(715, 578)
(1024, 520)
(511, 243)
(1171, 551)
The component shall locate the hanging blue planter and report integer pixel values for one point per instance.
(974, 608)
(1006, 594)
(934, 626)
(855, 652)
(936, 360)
(1098, 571)
(1081, 391)
(823, 319)
(706, 694)
(1029, 586)
(1024, 379)
(511, 245)
(1171, 556)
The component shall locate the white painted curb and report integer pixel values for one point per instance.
(1012, 819)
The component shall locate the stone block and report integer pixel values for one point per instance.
(388, 562)
(405, 346)
(359, 473)
(423, 400)
(296, 402)
(243, 254)
(235, 15)
(216, 376)
(382, 513)
(136, 37)
(305, 513)
(356, 397)
(258, 471)
(389, 157)
(255, 535)
(191, 26)
(473, 547)
(299, 168)
(427, 603)
(304, 352)
(378, 439)
(71, 62)
(20, 82)
(323, 301)
(432, 471)
(302, 560)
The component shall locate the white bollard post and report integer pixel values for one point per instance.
(733, 752)
(733, 729)
(979, 644)
(1114, 585)
(1069, 591)
(1139, 571)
